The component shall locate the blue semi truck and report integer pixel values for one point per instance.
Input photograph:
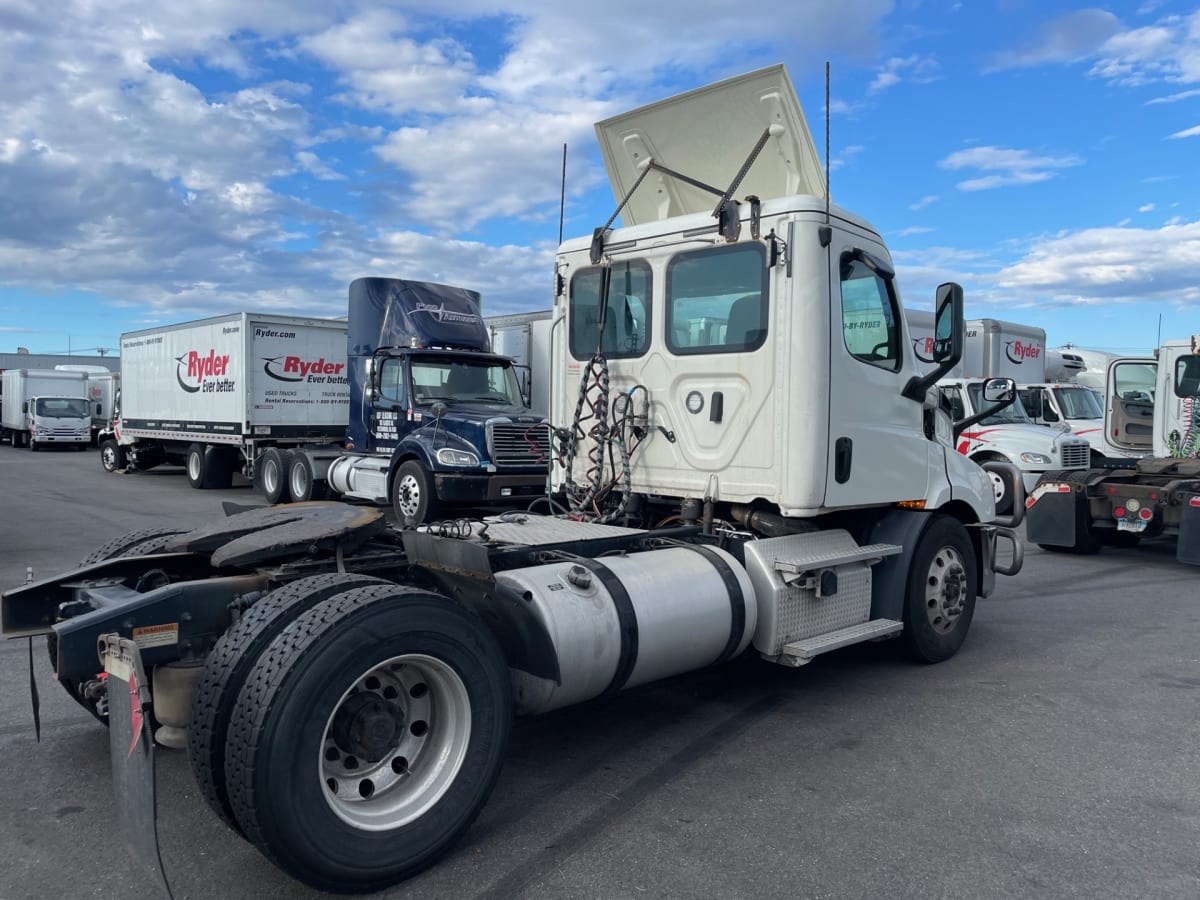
(436, 420)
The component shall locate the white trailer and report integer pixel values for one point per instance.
(998, 349)
(43, 407)
(215, 394)
(525, 339)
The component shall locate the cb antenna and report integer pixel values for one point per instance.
(825, 233)
(562, 197)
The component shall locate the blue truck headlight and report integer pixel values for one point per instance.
(448, 456)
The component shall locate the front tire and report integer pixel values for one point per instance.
(112, 456)
(368, 737)
(942, 588)
(1002, 492)
(413, 497)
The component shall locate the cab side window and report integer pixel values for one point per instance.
(953, 397)
(627, 318)
(717, 300)
(391, 381)
(870, 313)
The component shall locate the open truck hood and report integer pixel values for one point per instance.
(707, 135)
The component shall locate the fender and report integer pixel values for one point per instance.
(889, 576)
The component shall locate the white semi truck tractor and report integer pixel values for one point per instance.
(738, 470)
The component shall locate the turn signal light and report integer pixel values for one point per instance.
(911, 504)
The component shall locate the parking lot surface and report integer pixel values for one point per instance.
(1056, 756)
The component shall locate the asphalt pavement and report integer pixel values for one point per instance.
(1056, 756)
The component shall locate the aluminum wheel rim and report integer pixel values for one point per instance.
(108, 458)
(298, 481)
(408, 494)
(270, 476)
(422, 760)
(194, 463)
(945, 589)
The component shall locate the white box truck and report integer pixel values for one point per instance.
(525, 339)
(102, 388)
(214, 394)
(996, 349)
(43, 407)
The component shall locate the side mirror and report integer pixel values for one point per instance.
(438, 408)
(999, 390)
(949, 335)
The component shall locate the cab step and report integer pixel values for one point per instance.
(799, 653)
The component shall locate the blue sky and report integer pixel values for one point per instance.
(160, 162)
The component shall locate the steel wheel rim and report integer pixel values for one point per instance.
(408, 495)
(299, 481)
(431, 711)
(270, 476)
(194, 463)
(108, 458)
(945, 589)
(999, 488)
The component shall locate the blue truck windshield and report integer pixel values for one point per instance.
(464, 381)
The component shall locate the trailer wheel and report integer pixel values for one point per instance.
(942, 588)
(368, 737)
(302, 484)
(273, 466)
(112, 455)
(226, 668)
(413, 496)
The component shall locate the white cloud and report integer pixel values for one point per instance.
(1174, 98)
(925, 201)
(1186, 133)
(916, 68)
(1118, 264)
(911, 230)
(1067, 38)
(1145, 208)
(1004, 166)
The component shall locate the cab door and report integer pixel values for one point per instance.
(1129, 404)
(878, 451)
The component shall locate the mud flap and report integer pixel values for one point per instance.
(1187, 548)
(1056, 515)
(131, 746)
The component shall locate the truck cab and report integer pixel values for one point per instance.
(1078, 409)
(1011, 435)
(45, 407)
(436, 419)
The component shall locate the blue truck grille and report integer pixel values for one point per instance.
(520, 445)
(1076, 454)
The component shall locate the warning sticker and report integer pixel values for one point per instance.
(156, 635)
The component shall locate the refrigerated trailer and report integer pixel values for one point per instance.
(215, 394)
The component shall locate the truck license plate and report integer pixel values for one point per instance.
(1126, 525)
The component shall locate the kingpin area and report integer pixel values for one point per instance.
(1053, 756)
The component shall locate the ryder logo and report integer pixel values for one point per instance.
(1017, 351)
(924, 349)
(293, 368)
(193, 369)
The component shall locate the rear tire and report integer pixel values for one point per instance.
(302, 483)
(942, 587)
(362, 799)
(272, 475)
(194, 463)
(218, 468)
(112, 456)
(228, 665)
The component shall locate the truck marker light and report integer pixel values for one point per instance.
(911, 504)
(1195, 501)
(1119, 512)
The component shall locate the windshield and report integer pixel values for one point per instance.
(465, 380)
(61, 407)
(1078, 403)
(1011, 415)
